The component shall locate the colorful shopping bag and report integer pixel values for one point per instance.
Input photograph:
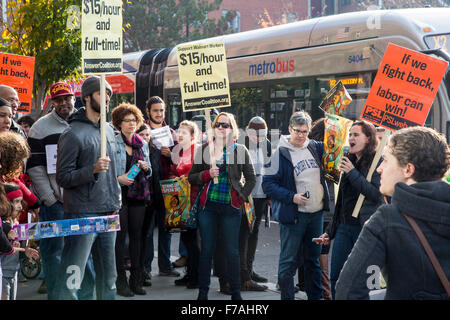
(176, 193)
(249, 210)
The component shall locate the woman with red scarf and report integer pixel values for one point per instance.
(182, 158)
(131, 150)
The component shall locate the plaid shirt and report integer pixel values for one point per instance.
(220, 192)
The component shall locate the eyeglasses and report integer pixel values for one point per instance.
(302, 132)
(130, 120)
(222, 124)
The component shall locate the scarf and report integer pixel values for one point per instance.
(140, 189)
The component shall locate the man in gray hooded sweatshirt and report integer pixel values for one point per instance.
(90, 189)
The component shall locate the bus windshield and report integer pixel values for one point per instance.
(438, 41)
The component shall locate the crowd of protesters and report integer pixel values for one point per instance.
(225, 172)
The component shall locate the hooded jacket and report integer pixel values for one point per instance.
(388, 243)
(78, 151)
(279, 182)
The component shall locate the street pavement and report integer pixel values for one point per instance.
(163, 288)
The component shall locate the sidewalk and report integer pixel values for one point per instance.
(163, 288)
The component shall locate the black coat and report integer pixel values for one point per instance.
(388, 242)
(373, 199)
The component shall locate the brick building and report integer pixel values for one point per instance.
(254, 14)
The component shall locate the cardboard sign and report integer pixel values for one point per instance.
(203, 76)
(18, 72)
(101, 37)
(404, 88)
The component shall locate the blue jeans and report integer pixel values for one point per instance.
(51, 249)
(345, 239)
(75, 255)
(228, 219)
(293, 237)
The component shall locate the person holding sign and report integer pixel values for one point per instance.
(344, 228)
(131, 150)
(156, 110)
(43, 139)
(294, 180)
(10, 94)
(221, 202)
(90, 189)
(415, 161)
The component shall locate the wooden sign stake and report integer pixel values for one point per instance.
(375, 160)
(210, 131)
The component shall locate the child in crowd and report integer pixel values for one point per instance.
(10, 263)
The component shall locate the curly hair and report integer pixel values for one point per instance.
(423, 147)
(124, 109)
(14, 150)
(370, 149)
(5, 204)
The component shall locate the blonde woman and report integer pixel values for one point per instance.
(221, 202)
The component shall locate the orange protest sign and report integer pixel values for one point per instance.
(404, 88)
(17, 72)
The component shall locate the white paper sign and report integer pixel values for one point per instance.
(50, 152)
(162, 137)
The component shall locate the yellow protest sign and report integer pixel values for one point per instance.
(101, 36)
(203, 76)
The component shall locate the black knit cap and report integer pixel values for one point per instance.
(91, 85)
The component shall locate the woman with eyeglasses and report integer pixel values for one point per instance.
(131, 150)
(345, 228)
(221, 202)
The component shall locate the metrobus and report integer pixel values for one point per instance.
(276, 71)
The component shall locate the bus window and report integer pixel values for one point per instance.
(286, 98)
(438, 41)
(245, 104)
(357, 85)
(174, 112)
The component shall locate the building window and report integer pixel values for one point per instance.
(235, 23)
(288, 17)
(346, 2)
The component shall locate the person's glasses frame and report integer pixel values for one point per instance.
(222, 124)
(130, 120)
(298, 132)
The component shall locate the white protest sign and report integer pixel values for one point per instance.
(50, 153)
(101, 36)
(162, 137)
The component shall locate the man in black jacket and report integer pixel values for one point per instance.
(90, 189)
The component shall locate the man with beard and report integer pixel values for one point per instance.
(43, 139)
(90, 189)
(10, 94)
(156, 109)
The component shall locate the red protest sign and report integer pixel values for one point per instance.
(404, 88)
(17, 72)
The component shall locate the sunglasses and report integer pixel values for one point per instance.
(222, 124)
